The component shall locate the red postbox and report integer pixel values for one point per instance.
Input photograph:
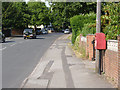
(100, 42)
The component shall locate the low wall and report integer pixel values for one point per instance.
(87, 42)
(7, 32)
(17, 32)
(110, 57)
(110, 61)
(83, 43)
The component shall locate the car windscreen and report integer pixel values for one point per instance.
(28, 30)
(67, 30)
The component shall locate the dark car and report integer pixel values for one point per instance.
(29, 33)
(2, 37)
(38, 31)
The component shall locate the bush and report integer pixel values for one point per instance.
(85, 24)
(110, 21)
(89, 28)
(76, 45)
(77, 23)
(111, 31)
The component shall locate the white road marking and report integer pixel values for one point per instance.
(13, 44)
(3, 48)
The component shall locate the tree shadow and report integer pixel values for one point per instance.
(9, 41)
(39, 38)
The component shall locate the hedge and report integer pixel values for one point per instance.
(79, 21)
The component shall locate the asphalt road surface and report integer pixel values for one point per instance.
(19, 57)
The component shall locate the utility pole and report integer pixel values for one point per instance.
(1, 45)
(98, 30)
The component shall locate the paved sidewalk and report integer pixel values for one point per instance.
(59, 68)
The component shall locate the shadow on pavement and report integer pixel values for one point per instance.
(17, 36)
(36, 38)
(40, 38)
(9, 41)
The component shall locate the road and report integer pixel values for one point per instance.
(19, 57)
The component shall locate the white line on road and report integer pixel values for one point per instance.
(3, 48)
(13, 44)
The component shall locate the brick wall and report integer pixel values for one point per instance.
(110, 66)
(87, 42)
(82, 43)
(90, 46)
(110, 59)
(119, 61)
(17, 32)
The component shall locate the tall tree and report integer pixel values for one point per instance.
(14, 14)
(20, 14)
(63, 11)
(8, 14)
(38, 13)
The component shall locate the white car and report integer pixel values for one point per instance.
(45, 32)
(66, 31)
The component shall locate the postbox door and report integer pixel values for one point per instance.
(100, 42)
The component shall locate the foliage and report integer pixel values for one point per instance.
(89, 28)
(63, 11)
(14, 14)
(20, 14)
(7, 14)
(38, 13)
(110, 21)
(79, 22)
(79, 49)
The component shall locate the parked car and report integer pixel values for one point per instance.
(52, 30)
(29, 33)
(38, 31)
(66, 31)
(63, 30)
(44, 32)
(46, 28)
(2, 37)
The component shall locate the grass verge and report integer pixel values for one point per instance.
(79, 50)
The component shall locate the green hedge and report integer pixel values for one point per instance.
(79, 21)
(86, 24)
(89, 28)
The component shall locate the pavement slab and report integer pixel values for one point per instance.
(37, 83)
